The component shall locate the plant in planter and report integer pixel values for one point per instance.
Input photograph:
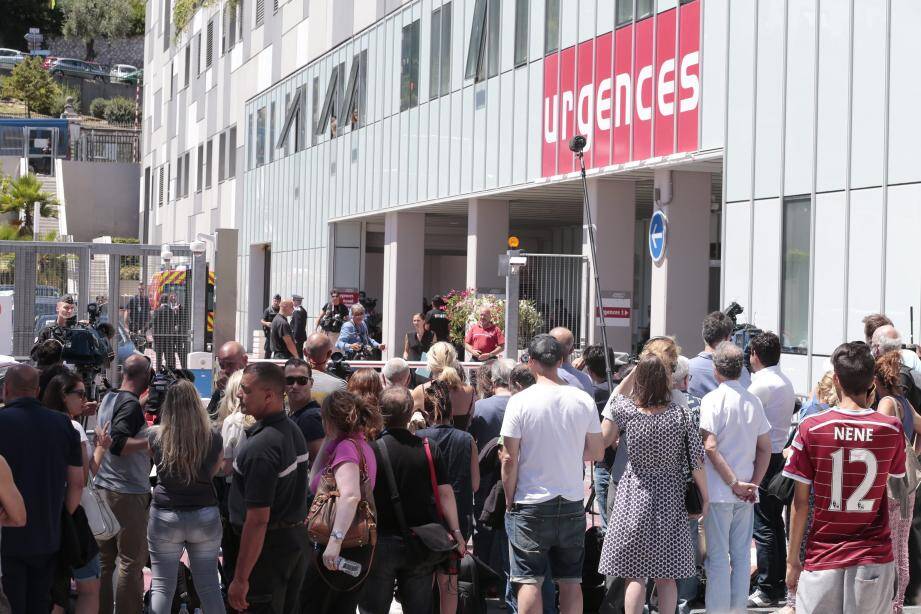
(464, 306)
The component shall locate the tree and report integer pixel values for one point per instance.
(33, 85)
(92, 19)
(20, 195)
(20, 15)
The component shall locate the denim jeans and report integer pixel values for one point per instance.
(770, 536)
(393, 563)
(198, 532)
(546, 539)
(601, 478)
(729, 536)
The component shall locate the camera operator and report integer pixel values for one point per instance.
(66, 319)
(317, 350)
(123, 481)
(333, 316)
(354, 337)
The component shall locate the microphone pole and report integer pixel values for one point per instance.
(576, 145)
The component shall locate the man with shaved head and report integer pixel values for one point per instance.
(281, 337)
(317, 350)
(123, 480)
(568, 373)
(231, 357)
(46, 459)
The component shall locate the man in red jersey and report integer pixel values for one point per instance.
(845, 455)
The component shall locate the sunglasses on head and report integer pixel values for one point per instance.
(301, 380)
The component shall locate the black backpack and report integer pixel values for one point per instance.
(472, 578)
(910, 387)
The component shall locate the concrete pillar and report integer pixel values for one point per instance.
(225, 288)
(404, 252)
(680, 282)
(613, 209)
(487, 238)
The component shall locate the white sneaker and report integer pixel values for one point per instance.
(759, 599)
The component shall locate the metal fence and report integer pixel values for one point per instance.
(557, 285)
(100, 145)
(166, 322)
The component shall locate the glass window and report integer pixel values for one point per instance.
(624, 13)
(271, 143)
(167, 18)
(446, 49)
(201, 168)
(477, 41)
(251, 124)
(188, 63)
(493, 28)
(260, 12)
(209, 58)
(435, 56)
(221, 152)
(314, 110)
(232, 153)
(260, 137)
(185, 173)
(645, 8)
(552, 26)
(521, 31)
(198, 54)
(208, 159)
(409, 73)
(794, 316)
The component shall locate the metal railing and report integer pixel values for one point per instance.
(102, 145)
(557, 285)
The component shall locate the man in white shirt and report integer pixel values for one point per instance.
(736, 436)
(548, 432)
(775, 391)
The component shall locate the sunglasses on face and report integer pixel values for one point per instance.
(79, 392)
(301, 380)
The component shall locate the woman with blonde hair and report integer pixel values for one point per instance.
(442, 362)
(184, 512)
(232, 422)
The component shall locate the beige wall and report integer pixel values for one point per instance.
(100, 199)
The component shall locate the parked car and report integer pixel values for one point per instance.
(134, 78)
(120, 71)
(78, 68)
(10, 57)
(48, 61)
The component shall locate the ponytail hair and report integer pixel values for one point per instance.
(350, 415)
(437, 401)
(442, 362)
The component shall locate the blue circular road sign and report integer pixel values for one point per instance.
(658, 236)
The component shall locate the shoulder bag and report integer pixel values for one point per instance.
(99, 516)
(429, 543)
(322, 514)
(902, 488)
(693, 501)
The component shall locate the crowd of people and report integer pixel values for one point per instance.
(301, 487)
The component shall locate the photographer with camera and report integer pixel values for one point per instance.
(123, 481)
(332, 317)
(354, 340)
(66, 310)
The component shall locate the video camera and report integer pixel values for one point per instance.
(338, 367)
(164, 379)
(742, 334)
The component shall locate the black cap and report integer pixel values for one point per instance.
(66, 298)
(297, 297)
(277, 297)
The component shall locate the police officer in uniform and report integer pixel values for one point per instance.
(268, 499)
(66, 319)
(299, 324)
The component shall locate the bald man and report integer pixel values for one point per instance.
(45, 456)
(317, 350)
(281, 337)
(568, 373)
(231, 357)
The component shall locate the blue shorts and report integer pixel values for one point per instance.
(544, 538)
(90, 571)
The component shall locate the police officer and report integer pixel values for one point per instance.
(268, 499)
(66, 319)
(299, 324)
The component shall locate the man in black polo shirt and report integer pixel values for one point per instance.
(299, 324)
(46, 459)
(267, 316)
(436, 320)
(301, 407)
(268, 499)
(281, 337)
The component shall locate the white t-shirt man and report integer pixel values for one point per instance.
(775, 391)
(551, 422)
(737, 418)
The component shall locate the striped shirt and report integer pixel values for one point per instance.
(271, 471)
(847, 456)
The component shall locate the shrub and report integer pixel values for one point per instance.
(120, 111)
(31, 84)
(98, 108)
(463, 311)
(60, 99)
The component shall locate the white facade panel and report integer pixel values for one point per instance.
(426, 157)
(494, 129)
(738, 165)
(903, 284)
(864, 282)
(904, 92)
(445, 149)
(479, 136)
(831, 133)
(799, 128)
(569, 23)
(587, 19)
(457, 145)
(605, 17)
(535, 129)
(507, 40)
(467, 128)
(869, 94)
(829, 257)
(737, 253)
(766, 264)
(519, 142)
(769, 103)
(536, 30)
(504, 142)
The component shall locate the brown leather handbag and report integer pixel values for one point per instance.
(322, 515)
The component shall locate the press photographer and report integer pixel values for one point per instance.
(333, 316)
(355, 341)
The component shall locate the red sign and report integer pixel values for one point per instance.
(633, 93)
(349, 296)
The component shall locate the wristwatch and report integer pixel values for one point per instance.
(337, 535)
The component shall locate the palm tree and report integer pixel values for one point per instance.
(20, 195)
